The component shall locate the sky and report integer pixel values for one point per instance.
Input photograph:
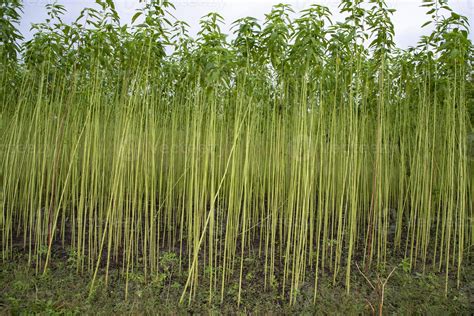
(407, 19)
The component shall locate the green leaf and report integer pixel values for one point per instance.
(426, 23)
(135, 16)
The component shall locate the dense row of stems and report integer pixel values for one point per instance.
(309, 144)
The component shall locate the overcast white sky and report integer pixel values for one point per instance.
(407, 19)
